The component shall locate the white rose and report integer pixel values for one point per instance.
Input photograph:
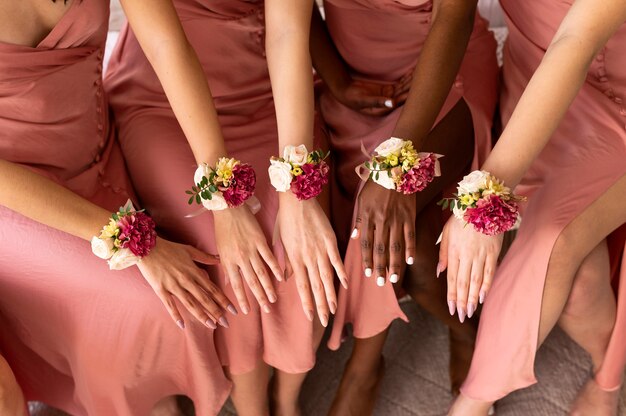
(280, 175)
(473, 182)
(216, 203)
(384, 180)
(390, 147)
(102, 248)
(122, 259)
(296, 155)
(458, 212)
(203, 170)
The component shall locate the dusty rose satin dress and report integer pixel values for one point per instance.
(228, 36)
(381, 40)
(590, 146)
(80, 337)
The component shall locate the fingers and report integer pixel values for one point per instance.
(381, 259)
(264, 278)
(475, 283)
(453, 267)
(327, 277)
(395, 253)
(337, 263)
(208, 309)
(318, 293)
(202, 257)
(272, 263)
(214, 292)
(304, 289)
(402, 86)
(376, 102)
(237, 283)
(490, 270)
(377, 111)
(443, 251)
(194, 307)
(168, 301)
(255, 286)
(409, 242)
(367, 242)
(462, 287)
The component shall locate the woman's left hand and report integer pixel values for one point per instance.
(311, 254)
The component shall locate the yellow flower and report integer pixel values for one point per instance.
(409, 156)
(224, 170)
(110, 230)
(467, 199)
(296, 171)
(392, 160)
(117, 243)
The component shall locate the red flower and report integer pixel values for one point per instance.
(492, 216)
(309, 184)
(137, 233)
(241, 186)
(419, 176)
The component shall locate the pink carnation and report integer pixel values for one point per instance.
(419, 176)
(309, 184)
(492, 216)
(241, 186)
(137, 233)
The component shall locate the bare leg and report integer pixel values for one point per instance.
(166, 407)
(453, 137)
(11, 398)
(249, 393)
(577, 241)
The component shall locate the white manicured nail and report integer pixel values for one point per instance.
(409, 260)
(368, 272)
(388, 103)
(393, 278)
(380, 281)
(355, 234)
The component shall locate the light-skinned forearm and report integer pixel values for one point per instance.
(436, 70)
(45, 201)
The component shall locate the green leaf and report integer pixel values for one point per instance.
(213, 188)
(115, 217)
(198, 200)
(210, 197)
(190, 200)
(377, 175)
(446, 204)
(188, 192)
(205, 194)
(440, 203)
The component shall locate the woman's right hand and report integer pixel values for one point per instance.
(372, 98)
(245, 253)
(172, 274)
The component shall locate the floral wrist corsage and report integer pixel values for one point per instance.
(483, 201)
(126, 239)
(303, 172)
(398, 166)
(228, 185)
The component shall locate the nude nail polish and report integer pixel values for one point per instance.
(409, 260)
(461, 314)
(451, 307)
(380, 281)
(394, 278)
(438, 270)
(355, 234)
(333, 307)
(324, 320)
(209, 322)
(388, 103)
(368, 272)
(180, 324)
(481, 297)
(231, 309)
(470, 310)
(223, 321)
(272, 297)
(245, 309)
(266, 308)
(309, 315)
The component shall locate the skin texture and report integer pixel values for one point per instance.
(470, 256)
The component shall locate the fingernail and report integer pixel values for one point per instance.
(245, 309)
(393, 278)
(388, 103)
(180, 324)
(481, 297)
(333, 307)
(209, 322)
(355, 234)
(380, 281)
(344, 282)
(368, 272)
(272, 297)
(451, 307)
(470, 310)
(223, 321)
(266, 308)
(409, 260)
(309, 315)
(232, 309)
(438, 270)
(324, 320)
(461, 314)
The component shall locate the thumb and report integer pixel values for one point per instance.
(202, 257)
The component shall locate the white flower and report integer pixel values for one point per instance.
(391, 146)
(384, 180)
(296, 155)
(102, 248)
(458, 212)
(280, 175)
(216, 203)
(473, 182)
(122, 259)
(203, 170)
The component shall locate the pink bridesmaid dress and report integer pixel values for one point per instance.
(80, 337)
(380, 40)
(228, 36)
(590, 147)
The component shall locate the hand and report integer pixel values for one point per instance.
(471, 259)
(171, 272)
(386, 224)
(244, 252)
(311, 250)
(373, 98)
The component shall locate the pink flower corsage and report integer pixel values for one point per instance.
(304, 173)
(229, 184)
(396, 165)
(126, 239)
(484, 202)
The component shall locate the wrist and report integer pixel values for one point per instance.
(299, 173)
